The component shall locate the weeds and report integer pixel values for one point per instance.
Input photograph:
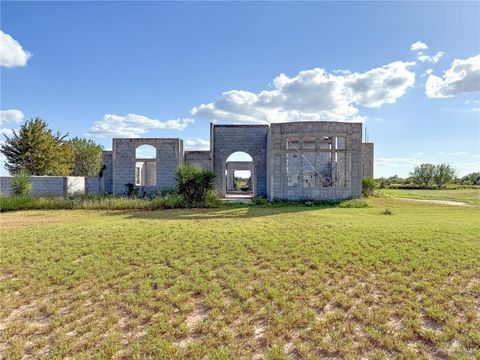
(387, 211)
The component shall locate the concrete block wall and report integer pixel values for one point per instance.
(169, 155)
(200, 158)
(48, 185)
(367, 159)
(106, 184)
(278, 152)
(74, 185)
(93, 185)
(251, 139)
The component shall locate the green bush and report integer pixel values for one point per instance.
(212, 200)
(11, 203)
(194, 183)
(369, 185)
(259, 200)
(21, 185)
(353, 203)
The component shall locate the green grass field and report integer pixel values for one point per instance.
(243, 282)
(471, 196)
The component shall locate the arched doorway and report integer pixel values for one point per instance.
(145, 166)
(239, 175)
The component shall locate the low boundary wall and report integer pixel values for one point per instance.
(56, 185)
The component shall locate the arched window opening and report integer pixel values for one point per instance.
(145, 166)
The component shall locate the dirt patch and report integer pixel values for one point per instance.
(438, 202)
(198, 315)
(19, 220)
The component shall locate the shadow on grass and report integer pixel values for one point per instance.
(224, 212)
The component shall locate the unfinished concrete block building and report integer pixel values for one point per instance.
(314, 160)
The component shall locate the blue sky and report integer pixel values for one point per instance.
(103, 69)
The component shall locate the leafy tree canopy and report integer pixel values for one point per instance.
(37, 150)
(87, 157)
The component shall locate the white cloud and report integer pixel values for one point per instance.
(11, 52)
(463, 76)
(197, 144)
(313, 95)
(13, 116)
(133, 125)
(396, 162)
(457, 153)
(5, 132)
(418, 46)
(418, 154)
(427, 58)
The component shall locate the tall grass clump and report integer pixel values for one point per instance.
(353, 203)
(21, 185)
(169, 200)
(194, 183)
(212, 200)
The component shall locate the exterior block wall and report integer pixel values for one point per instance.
(48, 185)
(107, 175)
(251, 139)
(93, 185)
(169, 155)
(278, 150)
(367, 160)
(202, 159)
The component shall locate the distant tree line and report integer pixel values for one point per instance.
(36, 150)
(430, 176)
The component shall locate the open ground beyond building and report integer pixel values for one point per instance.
(284, 161)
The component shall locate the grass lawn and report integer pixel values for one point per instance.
(245, 282)
(471, 196)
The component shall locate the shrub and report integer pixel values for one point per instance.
(353, 203)
(387, 211)
(212, 200)
(21, 185)
(259, 200)
(193, 183)
(369, 185)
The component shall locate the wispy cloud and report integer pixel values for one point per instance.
(457, 153)
(419, 48)
(133, 125)
(418, 45)
(197, 144)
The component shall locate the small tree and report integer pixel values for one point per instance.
(87, 157)
(471, 179)
(21, 185)
(193, 183)
(423, 175)
(36, 149)
(444, 174)
(369, 185)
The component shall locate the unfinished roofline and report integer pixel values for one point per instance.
(150, 138)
